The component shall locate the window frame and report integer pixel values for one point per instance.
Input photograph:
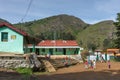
(4, 36)
(13, 37)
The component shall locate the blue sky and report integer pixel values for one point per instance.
(90, 11)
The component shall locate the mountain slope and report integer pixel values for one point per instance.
(58, 27)
(96, 35)
(66, 27)
(2, 20)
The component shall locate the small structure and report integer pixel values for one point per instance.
(98, 54)
(113, 52)
(11, 38)
(57, 47)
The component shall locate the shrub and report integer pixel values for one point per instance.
(84, 55)
(26, 71)
(117, 58)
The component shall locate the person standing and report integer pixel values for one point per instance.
(109, 64)
(91, 64)
(86, 64)
(94, 64)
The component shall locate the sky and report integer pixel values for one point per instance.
(90, 11)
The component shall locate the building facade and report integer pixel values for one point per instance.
(16, 41)
(56, 47)
(11, 39)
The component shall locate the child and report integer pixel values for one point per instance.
(94, 64)
(109, 65)
(86, 64)
(66, 62)
(91, 64)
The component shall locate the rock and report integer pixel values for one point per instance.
(30, 61)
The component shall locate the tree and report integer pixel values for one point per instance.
(108, 43)
(84, 55)
(117, 25)
(91, 46)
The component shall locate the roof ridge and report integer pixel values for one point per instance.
(13, 28)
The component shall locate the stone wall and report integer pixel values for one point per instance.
(13, 62)
(28, 61)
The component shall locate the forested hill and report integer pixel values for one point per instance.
(66, 27)
(99, 35)
(55, 27)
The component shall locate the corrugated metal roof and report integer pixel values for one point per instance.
(57, 43)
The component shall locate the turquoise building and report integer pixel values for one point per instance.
(17, 41)
(11, 39)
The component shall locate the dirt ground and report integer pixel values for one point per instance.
(76, 72)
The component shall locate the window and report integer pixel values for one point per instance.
(4, 36)
(59, 49)
(43, 50)
(13, 37)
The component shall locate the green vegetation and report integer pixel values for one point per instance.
(84, 55)
(97, 36)
(117, 25)
(55, 27)
(117, 58)
(66, 27)
(25, 71)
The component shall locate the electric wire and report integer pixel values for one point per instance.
(26, 13)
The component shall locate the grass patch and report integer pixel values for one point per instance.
(25, 71)
(117, 58)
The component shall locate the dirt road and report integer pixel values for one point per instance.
(76, 72)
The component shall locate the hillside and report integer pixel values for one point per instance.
(66, 27)
(2, 20)
(55, 27)
(99, 35)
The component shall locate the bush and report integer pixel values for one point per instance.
(84, 55)
(117, 58)
(26, 71)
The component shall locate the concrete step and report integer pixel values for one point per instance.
(49, 66)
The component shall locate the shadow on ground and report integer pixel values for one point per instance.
(15, 76)
(86, 75)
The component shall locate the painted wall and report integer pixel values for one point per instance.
(15, 45)
(59, 51)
